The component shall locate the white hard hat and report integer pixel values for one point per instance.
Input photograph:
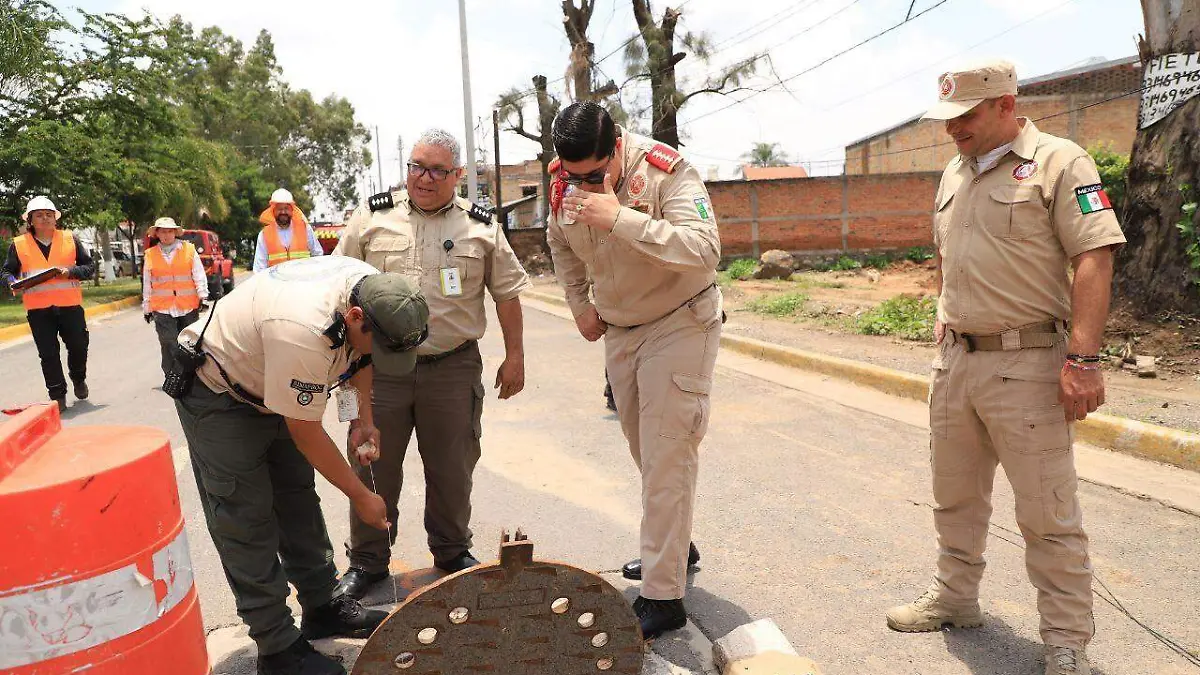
(40, 204)
(166, 223)
(282, 196)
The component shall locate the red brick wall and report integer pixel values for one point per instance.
(924, 146)
(838, 213)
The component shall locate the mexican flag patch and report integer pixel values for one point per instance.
(1092, 198)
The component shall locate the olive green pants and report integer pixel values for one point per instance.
(261, 505)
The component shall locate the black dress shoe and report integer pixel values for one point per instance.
(343, 616)
(460, 562)
(81, 390)
(62, 404)
(633, 568)
(299, 659)
(659, 616)
(356, 581)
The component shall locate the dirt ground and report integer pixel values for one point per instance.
(834, 298)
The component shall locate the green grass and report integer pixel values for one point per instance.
(738, 270)
(903, 316)
(12, 312)
(878, 262)
(918, 254)
(784, 304)
(845, 264)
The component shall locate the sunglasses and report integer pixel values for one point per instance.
(594, 178)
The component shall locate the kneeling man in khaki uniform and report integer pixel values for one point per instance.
(638, 232)
(1018, 358)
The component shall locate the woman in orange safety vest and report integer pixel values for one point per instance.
(54, 306)
(174, 287)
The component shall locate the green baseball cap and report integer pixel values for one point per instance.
(399, 320)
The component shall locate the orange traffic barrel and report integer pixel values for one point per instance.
(95, 573)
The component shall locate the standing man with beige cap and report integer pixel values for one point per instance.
(1018, 358)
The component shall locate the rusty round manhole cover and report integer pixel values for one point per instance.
(517, 616)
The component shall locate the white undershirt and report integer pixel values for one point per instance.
(991, 159)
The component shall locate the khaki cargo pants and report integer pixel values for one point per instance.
(661, 375)
(1002, 407)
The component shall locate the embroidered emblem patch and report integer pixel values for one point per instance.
(948, 86)
(637, 185)
(1092, 198)
(306, 389)
(1025, 170)
(703, 208)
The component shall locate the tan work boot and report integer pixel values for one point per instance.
(1066, 661)
(928, 614)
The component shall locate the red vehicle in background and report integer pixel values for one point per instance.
(217, 267)
(328, 234)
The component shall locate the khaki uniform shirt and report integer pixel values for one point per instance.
(1006, 236)
(663, 250)
(405, 240)
(277, 337)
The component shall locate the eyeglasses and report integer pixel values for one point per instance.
(418, 171)
(594, 178)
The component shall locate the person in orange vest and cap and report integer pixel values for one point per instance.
(54, 306)
(174, 288)
(285, 235)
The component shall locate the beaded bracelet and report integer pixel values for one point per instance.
(1083, 366)
(1084, 358)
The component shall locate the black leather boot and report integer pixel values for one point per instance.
(299, 659)
(356, 581)
(458, 563)
(633, 568)
(659, 616)
(343, 616)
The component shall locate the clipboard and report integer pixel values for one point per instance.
(31, 281)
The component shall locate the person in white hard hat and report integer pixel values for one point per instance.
(174, 288)
(279, 241)
(54, 306)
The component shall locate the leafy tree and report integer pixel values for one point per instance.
(766, 154)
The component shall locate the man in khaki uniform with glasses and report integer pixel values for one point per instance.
(636, 248)
(1018, 358)
(453, 250)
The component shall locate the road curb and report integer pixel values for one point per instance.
(9, 333)
(1149, 441)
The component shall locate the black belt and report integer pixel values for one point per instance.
(433, 358)
(681, 306)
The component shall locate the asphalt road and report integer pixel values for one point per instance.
(813, 511)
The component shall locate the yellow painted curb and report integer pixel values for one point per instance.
(1131, 437)
(9, 333)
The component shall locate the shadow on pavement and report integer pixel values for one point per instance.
(994, 649)
(79, 408)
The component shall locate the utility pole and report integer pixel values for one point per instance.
(472, 178)
(500, 215)
(400, 156)
(378, 157)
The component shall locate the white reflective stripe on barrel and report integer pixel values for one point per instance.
(45, 622)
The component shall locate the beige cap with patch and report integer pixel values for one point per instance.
(962, 90)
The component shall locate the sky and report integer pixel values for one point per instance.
(399, 61)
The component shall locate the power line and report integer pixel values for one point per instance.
(816, 66)
(771, 22)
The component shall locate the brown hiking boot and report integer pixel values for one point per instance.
(1066, 661)
(928, 614)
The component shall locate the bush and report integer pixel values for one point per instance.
(845, 263)
(879, 262)
(1114, 171)
(742, 268)
(904, 316)
(918, 254)
(785, 304)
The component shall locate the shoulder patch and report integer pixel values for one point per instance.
(381, 201)
(664, 157)
(481, 214)
(1092, 198)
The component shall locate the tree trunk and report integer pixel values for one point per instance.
(661, 60)
(1153, 275)
(104, 243)
(546, 114)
